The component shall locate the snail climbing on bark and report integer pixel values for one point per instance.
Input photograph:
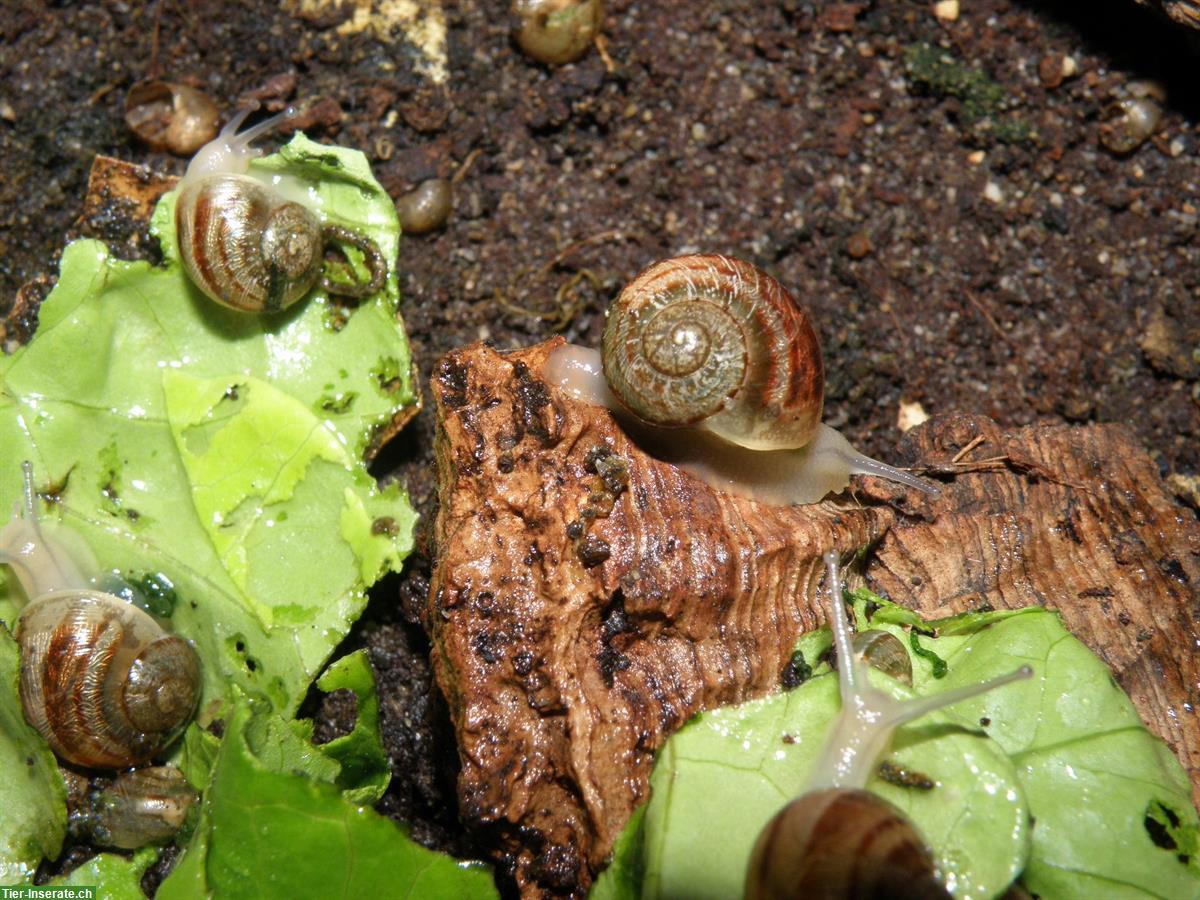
(102, 681)
(838, 840)
(718, 367)
(248, 241)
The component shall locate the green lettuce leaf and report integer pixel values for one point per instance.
(121, 876)
(1110, 805)
(1093, 774)
(364, 771)
(32, 795)
(267, 833)
(221, 450)
(216, 459)
(720, 779)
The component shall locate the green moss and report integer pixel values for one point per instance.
(982, 100)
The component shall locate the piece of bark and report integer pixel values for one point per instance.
(588, 599)
(1182, 12)
(120, 200)
(1074, 518)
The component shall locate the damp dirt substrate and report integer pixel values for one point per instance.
(933, 190)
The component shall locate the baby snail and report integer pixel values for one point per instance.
(101, 680)
(557, 32)
(717, 368)
(837, 840)
(247, 240)
(140, 807)
(1131, 119)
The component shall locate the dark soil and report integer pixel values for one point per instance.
(950, 218)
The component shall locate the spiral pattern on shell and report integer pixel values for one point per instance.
(715, 342)
(845, 843)
(245, 246)
(101, 681)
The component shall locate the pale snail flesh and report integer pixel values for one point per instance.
(140, 807)
(878, 852)
(245, 242)
(101, 680)
(718, 370)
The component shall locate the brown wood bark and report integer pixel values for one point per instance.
(588, 599)
(1182, 12)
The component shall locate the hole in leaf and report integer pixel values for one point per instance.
(1168, 830)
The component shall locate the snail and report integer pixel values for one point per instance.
(716, 367)
(557, 32)
(100, 679)
(248, 241)
(140, 807)
(426, 207)
(837, 839)
(1130, 120)
(171, 116)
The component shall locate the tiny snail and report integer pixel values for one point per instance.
(248, 245)
(837, 839)
(1130, 120)
(140, 807)
(722, 371)
(100, 679)
(426, 207)
(557, 32)
(170, 116)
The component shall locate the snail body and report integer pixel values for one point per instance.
(717, 366)
(101, 680)
(836, 839)
(248, 243)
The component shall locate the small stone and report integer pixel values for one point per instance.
(993, 193)
(946, 10)
(976, 157)
(858, 245)
(911, 415)
(1186, 488)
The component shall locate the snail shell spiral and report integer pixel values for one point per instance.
(714, 342)
(844, 843)
(102, 682)
(245, 246)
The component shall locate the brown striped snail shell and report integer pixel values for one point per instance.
(245, 246)
(101, 680)
(841, 843)
(714, 342)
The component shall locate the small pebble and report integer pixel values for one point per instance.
(911, 415)
(946, 10)
(993, 193)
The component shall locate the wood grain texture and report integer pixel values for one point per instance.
(587, 599)
(1075, 519)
